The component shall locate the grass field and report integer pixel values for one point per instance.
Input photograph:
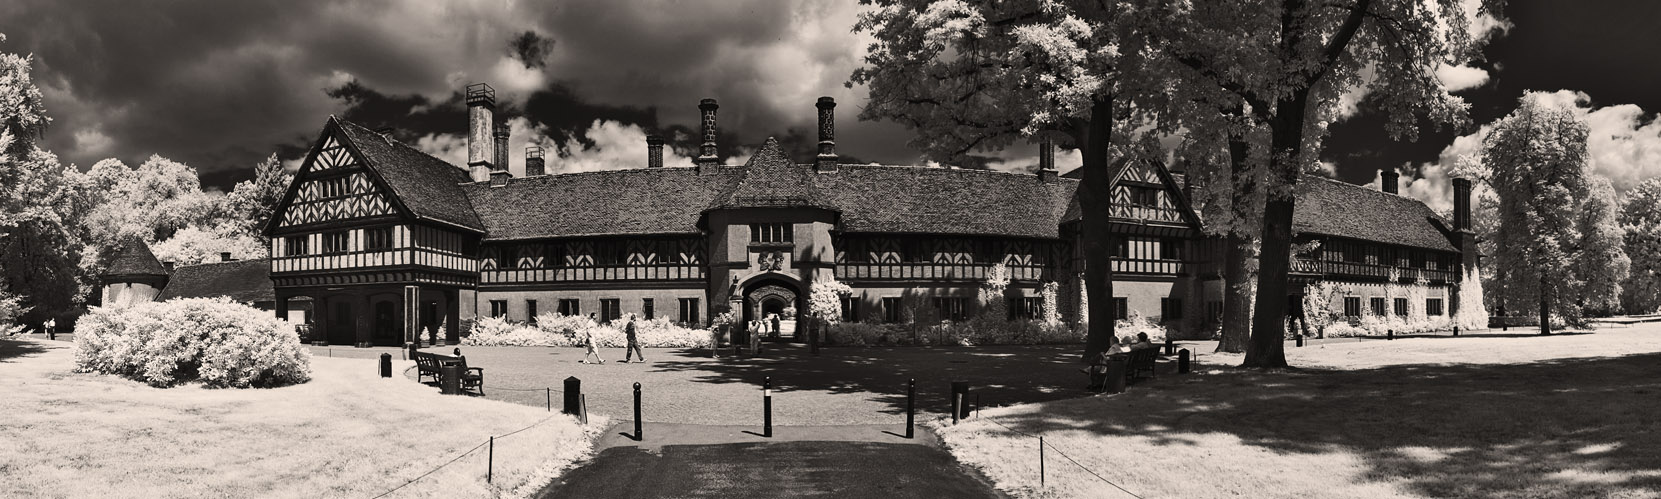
(347, 433)
(1569, 415)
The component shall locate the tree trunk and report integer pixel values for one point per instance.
(1545, 308)
(1268, 340)
(1237, 279)
(1095, 199)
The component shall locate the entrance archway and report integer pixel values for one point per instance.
(767, 300)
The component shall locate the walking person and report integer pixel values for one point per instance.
(775, 326)
(593, 351)
(634, 343)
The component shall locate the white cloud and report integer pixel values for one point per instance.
(92, 141)
(616, 146)
(1457, 78)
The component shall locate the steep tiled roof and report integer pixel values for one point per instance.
(770, 179)
(1334, 208)
(247, 281)
(427, 185)
(135, 259)
(946, 201)
(635, 201)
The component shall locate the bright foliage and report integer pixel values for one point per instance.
(215, 341)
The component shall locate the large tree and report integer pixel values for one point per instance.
(1289, 61)
(980, 76)
(252, 201)
(35, 213)
(1558, 246)
(1641, 218)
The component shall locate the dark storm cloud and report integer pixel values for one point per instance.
(221, 85)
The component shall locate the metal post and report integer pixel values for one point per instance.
(910, 406)
(957, 405)
(767, 407)
(638, 436)
(490, 460)
(1389, 334)
(1456, 331)
(977, 406)
(584, 402)
(1170, 347)
(386, 365)
(549, 393)
(1040, 460)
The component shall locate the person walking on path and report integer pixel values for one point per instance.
(593, 351)
(775, 327)
(634, 343)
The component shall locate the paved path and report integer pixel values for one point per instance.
(696, 461)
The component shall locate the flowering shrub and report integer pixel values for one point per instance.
(216, 341)
(1137, 323)
(555, 330)
(978, 331)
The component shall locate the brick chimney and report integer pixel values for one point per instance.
(1461, 205)
(706, 151)
(167, 265)
(225, 256)
(481, 123)
(534, 164)
(826, 161)
(1046, 161)
(1388, 179)
(501, 163)
(654, 151)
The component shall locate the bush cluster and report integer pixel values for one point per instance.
(978, 331)
(555, 330)
(215, 341)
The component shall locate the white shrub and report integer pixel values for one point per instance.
(554, 330)
(216, 341)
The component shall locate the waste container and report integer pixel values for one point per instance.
(450, 378)
(1116, 366)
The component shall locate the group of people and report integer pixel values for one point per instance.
(1098, 362)
(632, 350)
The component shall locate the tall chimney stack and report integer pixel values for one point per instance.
(534, 165)
(1461, 205)
(1388, 179)
(706, 151)
(654, 151)
(481, 124)
(1046, 160)
(826, 162)
(501, 164)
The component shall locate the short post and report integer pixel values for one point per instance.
(1040, 460)
(490, 460)
(1299, 340)
(450, 379)
(960, 399)
(1170, 347)
(767, 407)
(1389, 334)
(1182, 361)
(573, 394)
(977, 406)
(585, 409)
(910, 406)
(1456, 331)
(386, 365)
(549, 394)
(638, 436)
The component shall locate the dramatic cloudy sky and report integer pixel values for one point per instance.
(220, 85)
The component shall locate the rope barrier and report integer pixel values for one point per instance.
(462, 455)
(1063, 454)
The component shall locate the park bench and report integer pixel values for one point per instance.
(432, 364)
(1141, 360)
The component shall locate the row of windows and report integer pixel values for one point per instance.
(1375, 254)
(771, 233)
(1376, 305)
(610, 309)
(374, 239)
(1142, 248)
(955, 308)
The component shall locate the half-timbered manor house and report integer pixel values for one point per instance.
(385, 241)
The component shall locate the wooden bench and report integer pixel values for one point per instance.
(432, 364)
(1141, 360)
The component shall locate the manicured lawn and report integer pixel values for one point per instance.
(1570, 415)
(347, 433)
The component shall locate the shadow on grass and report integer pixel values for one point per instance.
(11, 349)
(1003, 375)
(1583, 427)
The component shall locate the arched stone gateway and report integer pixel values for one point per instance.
(770, 299)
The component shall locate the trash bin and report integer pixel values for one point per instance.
(450, 378)
(1116, 366)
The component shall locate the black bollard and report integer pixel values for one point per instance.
(960, 400)
(638, 436)
(1182, 361)
(1456, 331)
(573, 395)
(1299, 339)
(490, 460)
(450, 379)
(1170, 347)
(409, 351)
(910, 406)
(386, 365)
(1389, 334)
(767, 407)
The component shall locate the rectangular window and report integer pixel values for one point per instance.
(1170, 309)
(771, 233)
(1433, 306)
(1028, 307)
(610, 309)
(530, 311)
(1121, 247)
(1352, 306)
(378, 238)
(498, 308)
(1170, 249)
(689, 311)
(850, 309)
(296, 245)
(335, 242)
(891, 310)
(1377, 304)
(1121, 308)
(948, 308)
(1401, 307)
(334, 187)
(1143, 196)
(1214, 311)
(646, 309)
(570, 306)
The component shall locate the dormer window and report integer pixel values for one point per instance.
(771, 233)
(334, 187)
